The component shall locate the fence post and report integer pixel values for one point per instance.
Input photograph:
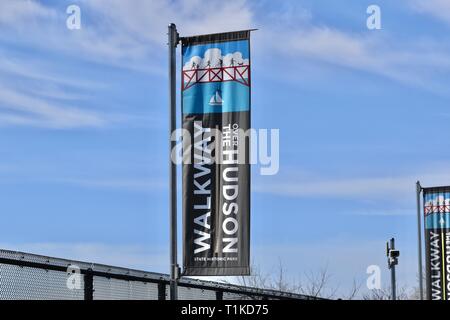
(161, 291)
(88, 285)
(219, 295)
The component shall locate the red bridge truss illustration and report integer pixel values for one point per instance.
(239, 74)
(442, 208)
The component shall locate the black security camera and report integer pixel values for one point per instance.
(394, 253)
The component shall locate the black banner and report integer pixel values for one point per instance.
(437, 242)
(216, 172)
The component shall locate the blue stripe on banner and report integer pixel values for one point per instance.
(197, 99)
(437, 221)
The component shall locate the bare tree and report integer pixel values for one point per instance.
(415, 294)
(315, 284)
(355, 289)
(255, 280)
(385, 294)
(403, 293)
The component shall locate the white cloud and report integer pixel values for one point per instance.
(147, 258)
(345, 188)
(437, 8)
(418, 64)
(19, 108)
(132, 34)
(148, 20)
(41, 71)
(47, 90)
(389, 188)
(213, 58)
(438, 200)
(139, 185)
(140, 30)
(129, 34)
(23, 11)
(126, 34)
(234, 59)
(384, 212)
(34, 92)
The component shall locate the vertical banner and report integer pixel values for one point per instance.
(216, 172)
(437, 242)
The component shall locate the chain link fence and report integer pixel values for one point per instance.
(25, 276)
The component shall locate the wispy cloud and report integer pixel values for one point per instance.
(135, 31)
(19, 108)
(124, 34)
(140, 185)
(294, 36)
(33, 92)
(147, 20)
(384, 212)
(147, 258)
(23, 11)
(388, 187)
(132, 34)
(127, 34)
(340, 188)
(436, 8)
(42, 71)
(418, 64)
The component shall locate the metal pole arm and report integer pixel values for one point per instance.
(419, 238)
(172, 43)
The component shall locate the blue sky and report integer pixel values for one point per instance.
(362, 115)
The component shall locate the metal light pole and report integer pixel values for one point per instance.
(392, 255)
(419, 238)
(172, 43)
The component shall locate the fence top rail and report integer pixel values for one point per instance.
(102, 270)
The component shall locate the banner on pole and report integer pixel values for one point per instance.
(216, 172)
(436, 203)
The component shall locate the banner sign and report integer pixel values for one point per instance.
(437, 242)
(216, 171)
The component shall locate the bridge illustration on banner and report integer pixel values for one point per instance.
(439, 204)
(239, 73)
